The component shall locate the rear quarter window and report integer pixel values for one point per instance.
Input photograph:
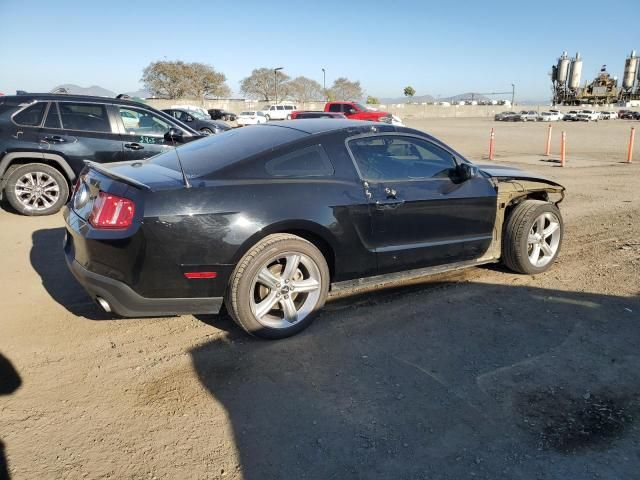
(308, 162)
(31, 116)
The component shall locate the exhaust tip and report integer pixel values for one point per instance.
(104, 304)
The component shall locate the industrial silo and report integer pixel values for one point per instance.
(562, 68)
(630, 71)
(575, 72)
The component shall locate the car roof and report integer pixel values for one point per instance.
(64, 96)
(318, 125)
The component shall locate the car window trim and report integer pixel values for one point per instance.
(457, 160)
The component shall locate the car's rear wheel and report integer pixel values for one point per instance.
(532, 237)
(36, 189)
(278, 286)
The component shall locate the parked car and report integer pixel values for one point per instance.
(608, 115)
(45, 138)
(302, 115)
(548, 117)
(279, 111)
(198, 122)
(357, 111)
(221, 114)
(252, 117)
(329, 205)
(570, 116)
(588, 116)
(626, 114)
(200, 112)
(526, 116)
(504, 116)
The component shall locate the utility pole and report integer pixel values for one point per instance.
(324, 83)
(275, 78)
(513, 93)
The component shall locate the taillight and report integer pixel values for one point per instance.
(111, 211)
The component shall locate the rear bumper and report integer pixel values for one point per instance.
(124, 301)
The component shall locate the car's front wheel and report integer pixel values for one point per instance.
(36, 189)
(532, 237)
(206, 131)
(278, 286)
(267, 118)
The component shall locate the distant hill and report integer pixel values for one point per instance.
(415, 99)
(463, 97)
(78, 90)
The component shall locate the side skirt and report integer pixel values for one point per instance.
(381, 280)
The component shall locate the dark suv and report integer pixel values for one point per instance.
(220, 114)
(45, 138)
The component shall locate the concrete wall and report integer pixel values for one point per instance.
(403, 110)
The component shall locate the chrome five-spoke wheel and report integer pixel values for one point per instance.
(278, 286)
(543, 239)
(285, 290)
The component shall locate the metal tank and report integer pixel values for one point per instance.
(630, 70)
(554, 73)
(575, 72)
(562, 68)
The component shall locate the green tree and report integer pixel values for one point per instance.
(373, 100)
(177, 79)
(346, 90)
(409, 91)
(260, 84)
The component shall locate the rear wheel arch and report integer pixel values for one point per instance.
(22, 158)
(317, 235)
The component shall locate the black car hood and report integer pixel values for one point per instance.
(505, 172)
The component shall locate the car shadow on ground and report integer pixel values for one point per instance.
(47, 259)
(439, 380)
(9, 382)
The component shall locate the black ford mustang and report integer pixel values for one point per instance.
(269, 218)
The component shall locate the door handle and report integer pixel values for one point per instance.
(55, 139)
(133, 146)
(389, 204)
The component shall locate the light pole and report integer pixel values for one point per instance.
(275, 78)
(513, 93)
(324, 83)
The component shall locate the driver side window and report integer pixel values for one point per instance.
(141, 122)
(388, 157)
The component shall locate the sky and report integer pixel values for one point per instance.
(440, 48)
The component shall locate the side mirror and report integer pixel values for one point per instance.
(466, 171)
(189, 118)
(174, 135)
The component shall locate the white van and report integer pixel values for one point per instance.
(279, 111)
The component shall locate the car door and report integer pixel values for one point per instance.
(88, 132)
(422, 212)
(142, 132)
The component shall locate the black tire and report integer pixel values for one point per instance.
(206, 131)
(238, 297)
(225, 118)
(267, 117)
(38, 207)
(516, 232)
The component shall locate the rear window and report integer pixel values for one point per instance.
(205, 156)
(31, 116)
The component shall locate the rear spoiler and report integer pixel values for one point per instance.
(116, 176)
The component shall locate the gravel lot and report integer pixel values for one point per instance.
(480, 374)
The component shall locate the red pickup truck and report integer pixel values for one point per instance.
(356, 111)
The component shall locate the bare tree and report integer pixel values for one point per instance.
(261, 84)
(344, 89)
(203, 79)
(303, 90)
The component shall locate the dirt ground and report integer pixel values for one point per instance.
(482, 374)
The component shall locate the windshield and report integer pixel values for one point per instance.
(361, 107)
(199, 114)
